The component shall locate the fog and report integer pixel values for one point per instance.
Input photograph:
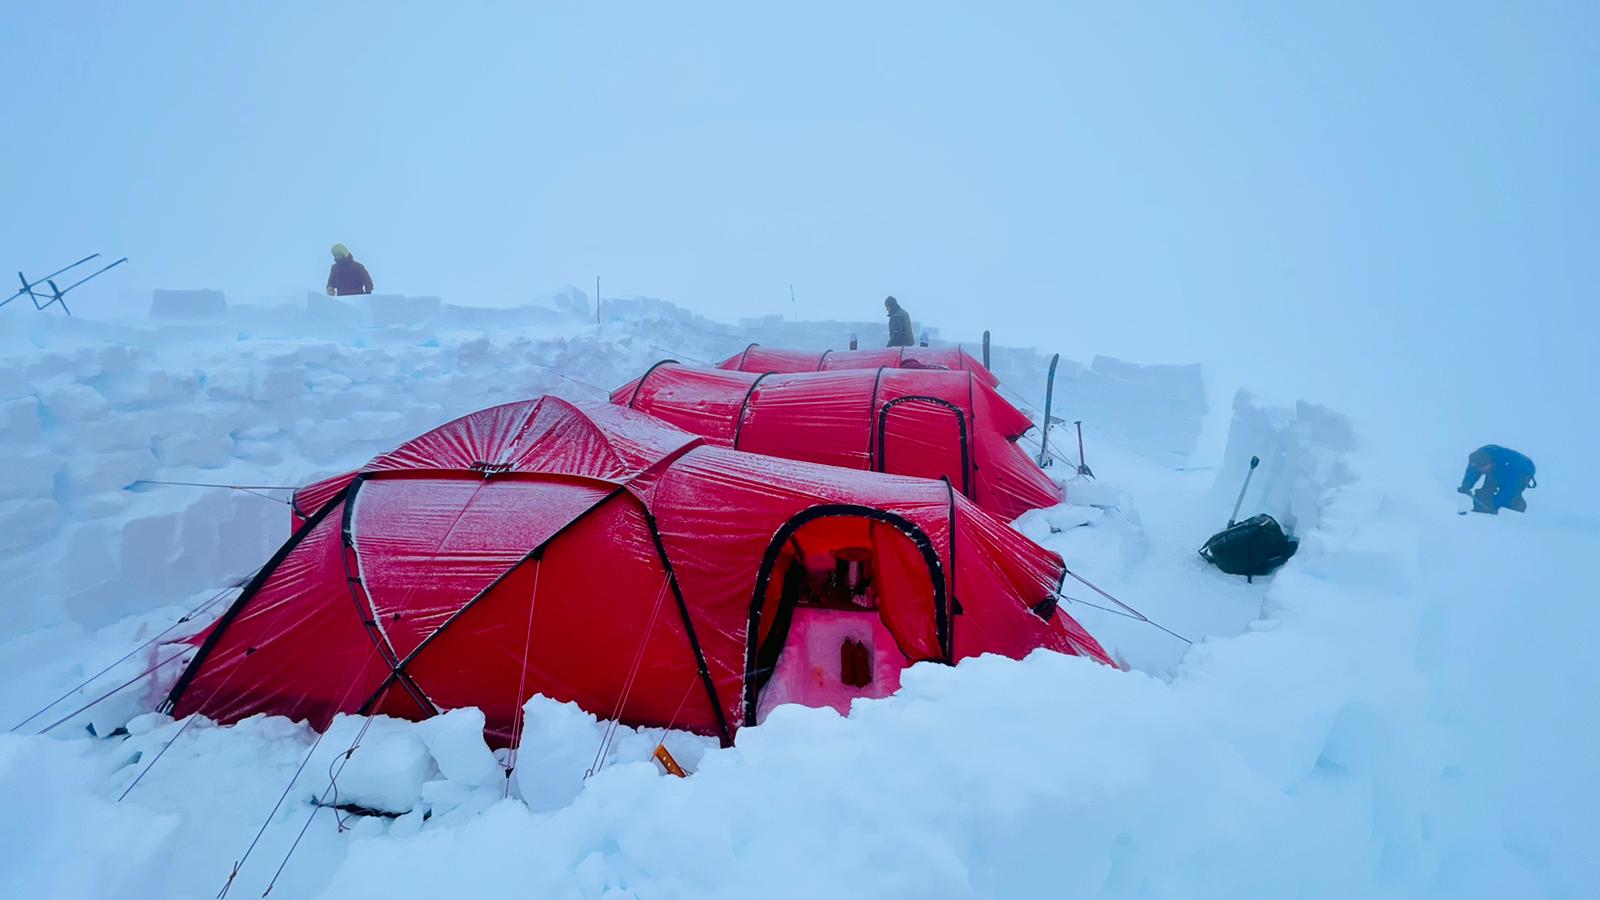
(1388, 209)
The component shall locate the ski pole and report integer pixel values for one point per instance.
(1254, 461)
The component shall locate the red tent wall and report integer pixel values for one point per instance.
(487, 561)
(759, 359)
(924, 423)
(307, 499)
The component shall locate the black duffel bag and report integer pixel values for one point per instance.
(1253, 547)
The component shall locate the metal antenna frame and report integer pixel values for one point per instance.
(57, 293)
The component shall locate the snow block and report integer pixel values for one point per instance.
(279, 384)
(1303, 455)
(229, 384)
(147, 388)
(455, 740)
(193, 304)
(322, 306)
(1159, 407)
(29, 475)
(309, 353)
(1157, 410)
(89, 561)
(75, 403)
(397, 309)
(117, 359)
(557, 748)
(570, 300)
(25, 522)
(326, 440)
(201, 447)
(13, 382)
(19, 420)
(388, 768)
(107, 470)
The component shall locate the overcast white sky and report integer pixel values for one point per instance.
(1393, 207)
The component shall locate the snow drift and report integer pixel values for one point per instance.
(1401, 711)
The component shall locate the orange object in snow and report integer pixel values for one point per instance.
(664, 757)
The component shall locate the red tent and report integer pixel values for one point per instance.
(928, 423)
(759, 359)
(592, 554)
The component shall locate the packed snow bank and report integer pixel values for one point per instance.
(187, 818)
(62, 839)
(1134, 530)
(1304, 453)
(262, 397)
(1399, 711)
(1155, 410)
(1354, 746)
(190, 304)
(281, 395)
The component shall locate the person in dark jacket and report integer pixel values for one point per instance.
(1505, 473)
(347, 276)
(899, 324)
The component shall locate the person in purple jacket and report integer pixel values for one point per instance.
(347, 276)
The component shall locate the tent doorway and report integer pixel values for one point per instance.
(848, 598)
(925, 437)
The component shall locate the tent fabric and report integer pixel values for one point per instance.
(758, 359)
(919, 422)
(546, 547)
(309, 498)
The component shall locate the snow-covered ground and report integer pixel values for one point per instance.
(1406, 709)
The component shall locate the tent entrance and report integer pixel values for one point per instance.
(925, 437)
(850, 600)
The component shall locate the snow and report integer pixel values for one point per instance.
(66, 840)
(385, 771)
(192, 304)
(1403, 710)
(455, 741)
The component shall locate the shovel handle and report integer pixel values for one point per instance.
(1254, 461)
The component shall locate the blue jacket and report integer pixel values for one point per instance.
(1507, 465)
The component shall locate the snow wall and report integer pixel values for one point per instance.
(211, 392)
(1304, 453)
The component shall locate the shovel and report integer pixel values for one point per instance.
(1083, 468)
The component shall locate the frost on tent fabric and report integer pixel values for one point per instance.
(594, 555)
(768, 360)
(921, 422)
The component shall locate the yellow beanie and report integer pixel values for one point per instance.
(340, 251)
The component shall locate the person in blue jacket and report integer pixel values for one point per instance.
(1505, 473)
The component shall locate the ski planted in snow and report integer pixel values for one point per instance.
(1049, 396)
